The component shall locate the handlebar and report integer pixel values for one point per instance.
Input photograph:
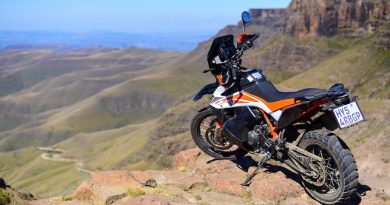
(248, 42)
(254, 37)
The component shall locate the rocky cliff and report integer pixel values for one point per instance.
(267, 13)
(266, 16)
(197, 179)
(330, 17)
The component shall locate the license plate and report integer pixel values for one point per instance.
(348, 115)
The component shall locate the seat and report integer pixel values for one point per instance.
(270, 93)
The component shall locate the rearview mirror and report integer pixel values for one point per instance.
(246, 17)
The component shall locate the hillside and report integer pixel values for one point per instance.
(101, 92)
(130, 108)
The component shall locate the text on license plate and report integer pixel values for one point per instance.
(348, 115)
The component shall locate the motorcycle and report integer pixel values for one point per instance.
(248, 114)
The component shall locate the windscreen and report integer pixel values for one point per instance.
(226, 42)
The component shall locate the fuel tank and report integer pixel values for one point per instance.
(249, 78)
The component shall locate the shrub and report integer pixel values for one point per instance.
(182, 168)
(4, 197)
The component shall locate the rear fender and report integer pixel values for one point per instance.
(206, 90)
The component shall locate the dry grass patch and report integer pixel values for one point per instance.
(140, 191)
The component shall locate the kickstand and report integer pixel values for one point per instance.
(248, 180)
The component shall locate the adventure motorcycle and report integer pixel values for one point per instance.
(248, 114)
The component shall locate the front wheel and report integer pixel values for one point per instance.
(210, 139)
(339, 179)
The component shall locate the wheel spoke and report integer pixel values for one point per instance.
(215, 141)
(331, 174)
(330, 168)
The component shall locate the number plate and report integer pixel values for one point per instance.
(348, 115)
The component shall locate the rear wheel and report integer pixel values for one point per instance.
(210, 139)
(339, 175)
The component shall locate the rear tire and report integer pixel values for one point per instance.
(204, 145)
(343, 160)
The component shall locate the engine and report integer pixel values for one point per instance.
(259, 137)
(248, 129)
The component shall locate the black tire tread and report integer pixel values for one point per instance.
(347, 161)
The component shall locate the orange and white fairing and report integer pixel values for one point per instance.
(245, 99)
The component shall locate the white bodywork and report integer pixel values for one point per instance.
(219, 101)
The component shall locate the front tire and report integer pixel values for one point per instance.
(341, 179)
(203, 124)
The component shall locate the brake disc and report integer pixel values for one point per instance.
(319, 176)
(216, 139)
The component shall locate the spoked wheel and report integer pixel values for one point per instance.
(337, 178)
(208, 136)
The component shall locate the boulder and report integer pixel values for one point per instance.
(104, 185)
(186, 158)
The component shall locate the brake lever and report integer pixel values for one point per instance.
(206, 71)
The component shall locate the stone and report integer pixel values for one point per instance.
(105, 185)
(3, 185)
(186, 158)
(328, 18)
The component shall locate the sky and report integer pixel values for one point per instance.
(130, 16)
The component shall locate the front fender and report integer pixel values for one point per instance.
(206, 90)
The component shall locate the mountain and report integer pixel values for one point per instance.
(66, 114)
(27, 40)
(329, 18)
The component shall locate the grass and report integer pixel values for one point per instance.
(4, 197)
(135, 191)
(247, 196)
(182, 169)
(139, 191)
(42, 178)
(63, 198)
(361, 68)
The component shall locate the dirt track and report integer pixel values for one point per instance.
(52, 154)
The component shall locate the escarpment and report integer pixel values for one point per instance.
(330, 17)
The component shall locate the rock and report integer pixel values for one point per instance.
(273, 186)
(84, 191)
(150, 200)
(267, 13)
(141, 176)
(143, 200)
(180, 179)
(115, 178)
(205, 181)
(220, 198)
(226, 183)
(3, 185)
(299, 201)
(57, 202)
(105, 185)
(375, 197)
(328, 18)
(186, 158)
(25, 195)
